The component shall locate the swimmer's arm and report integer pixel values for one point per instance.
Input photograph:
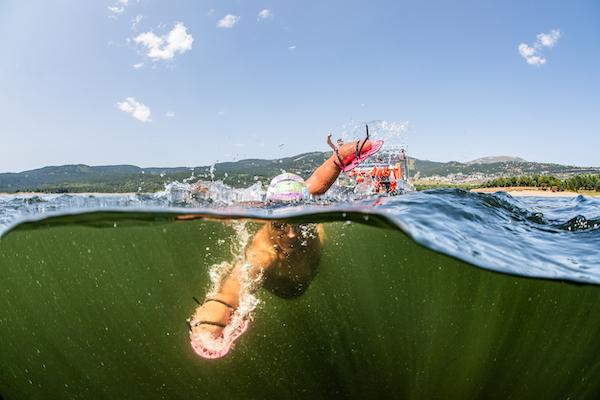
(261, 252)
(323, 177)
(261, 255)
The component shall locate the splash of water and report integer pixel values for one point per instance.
(205, 343)
(212, 171)
(191, 177)
(215, 193)
(391, 132)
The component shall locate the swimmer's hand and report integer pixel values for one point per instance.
(330, 142)
(347, 152)
(218, 314)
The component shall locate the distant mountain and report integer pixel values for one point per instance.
(480, 172)
(130, 178)
(496, 159)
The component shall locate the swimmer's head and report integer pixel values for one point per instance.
(287, 188)
(288, 235)
(286, 230)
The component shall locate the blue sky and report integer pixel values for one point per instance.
(232, 84)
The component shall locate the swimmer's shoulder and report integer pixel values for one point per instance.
(261, 250)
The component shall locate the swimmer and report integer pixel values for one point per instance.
(285, 256)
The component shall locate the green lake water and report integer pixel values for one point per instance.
(89, 312)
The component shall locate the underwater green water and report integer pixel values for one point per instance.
(99, 313)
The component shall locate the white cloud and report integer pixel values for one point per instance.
(116, 9)
(292, 48)
(138, 65)
(170, 114)
(135, 21)
(228, 21)
(530, 54)
(533, 54)
(137, 110)
(548, 39)
(526, 51)
(265, 14)
(167, 46)
(536, 60)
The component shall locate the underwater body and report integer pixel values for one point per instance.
(436, 294)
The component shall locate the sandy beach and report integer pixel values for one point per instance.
(525, 191)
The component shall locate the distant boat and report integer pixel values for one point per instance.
(387, 172)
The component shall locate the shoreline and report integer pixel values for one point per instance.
(533, 192)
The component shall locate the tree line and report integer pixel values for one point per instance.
(574, 183)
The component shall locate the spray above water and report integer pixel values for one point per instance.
(393, 133)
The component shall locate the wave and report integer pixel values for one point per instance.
(536, 237)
